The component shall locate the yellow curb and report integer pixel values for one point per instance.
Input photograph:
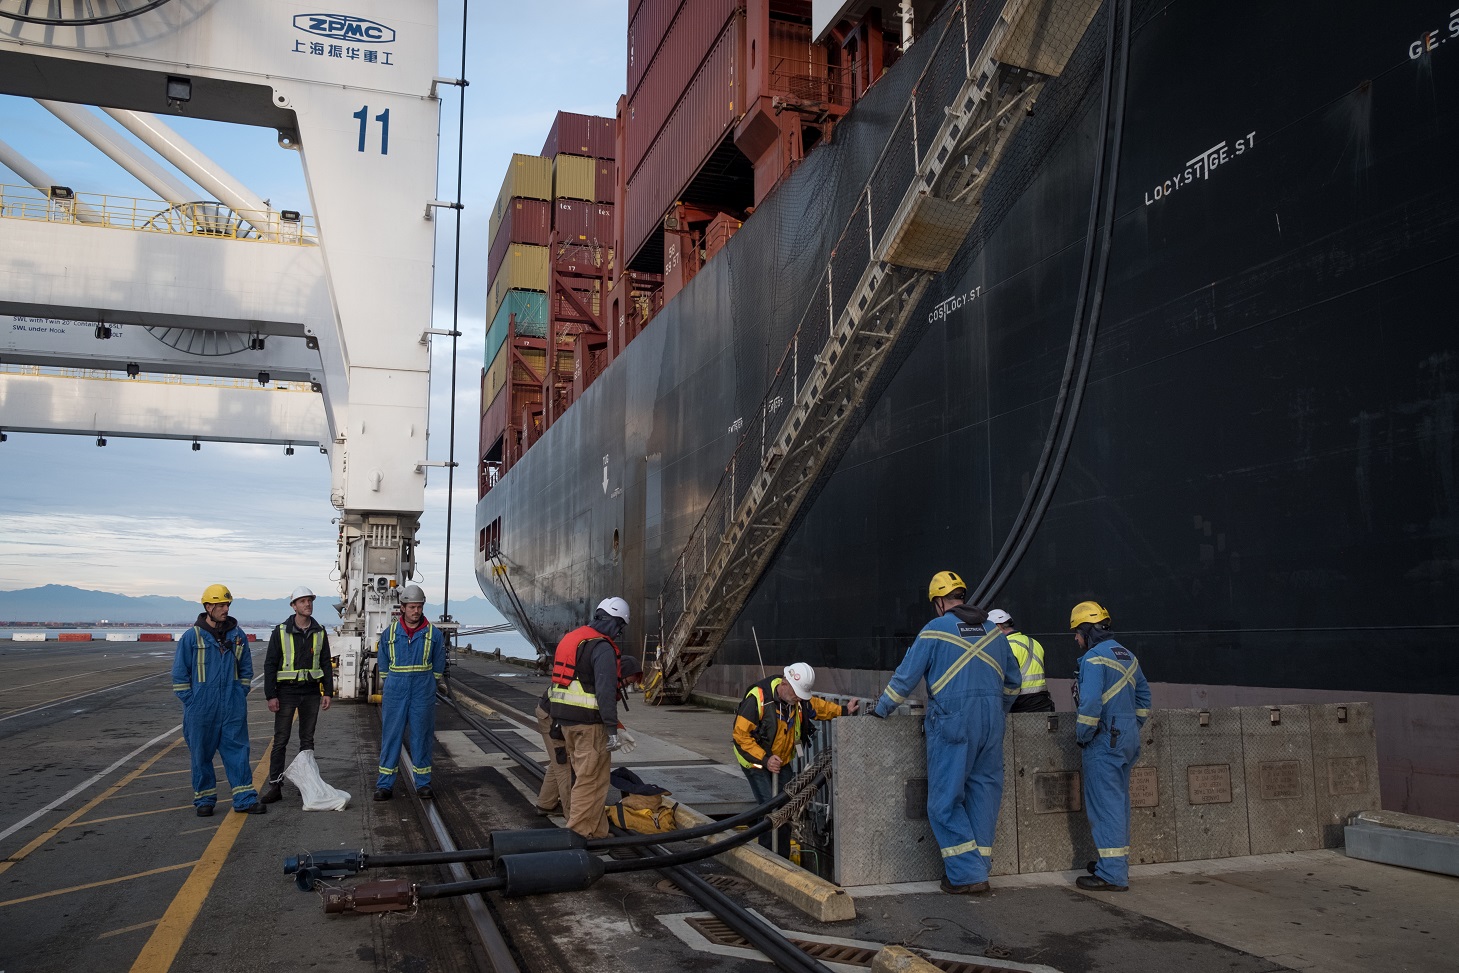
(811, 894)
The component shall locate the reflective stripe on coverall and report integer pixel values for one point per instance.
(409, 665)
(213, 681)
(972, 680)
(1114, 702)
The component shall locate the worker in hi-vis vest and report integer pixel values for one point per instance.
(411, 654)
(972, 680)
(1114, 702)
(1033, 688)
(298, 677)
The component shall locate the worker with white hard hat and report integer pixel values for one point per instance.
(776, 715)
(298, 677)
(212, 674)
(412, 659)
(972, 681)
(1033, 687)
(589, 672)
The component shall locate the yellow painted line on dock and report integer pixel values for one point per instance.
(166, 773)
(96, 885)
(77, 815)
(122, 817)
(127, 929)
(166, 790)
(167, 939)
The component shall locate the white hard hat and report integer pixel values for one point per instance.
(412, 594)
(801, 678)
(999, 617)
(616, 607)
(300, 592)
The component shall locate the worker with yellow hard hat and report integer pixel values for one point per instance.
(972, 681)
(1114, 702)
(212, 674)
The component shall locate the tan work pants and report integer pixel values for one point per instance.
(587, 748)
(557, 785)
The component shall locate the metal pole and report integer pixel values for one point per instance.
(455, 318)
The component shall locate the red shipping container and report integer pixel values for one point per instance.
(696, 127)
(673, 72)
(605, 181)
(574, 134)
(650, 25)
(526, 221)
(580, 222)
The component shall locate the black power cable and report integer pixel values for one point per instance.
(1071, 394)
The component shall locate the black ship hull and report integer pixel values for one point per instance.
(1262, 483)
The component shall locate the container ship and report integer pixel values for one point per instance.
(1190, 350)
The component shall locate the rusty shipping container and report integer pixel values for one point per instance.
(574, 134)
(526, 221)
(693, 26)
(581, 222)
(669, 77)
(605, 180)
(701, 121)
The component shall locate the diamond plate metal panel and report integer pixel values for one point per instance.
(1281, 805)
(1208, 775)
(878, 840)
(1344, 764)
(1005, 839)
(1053, 834)
(1152, 797)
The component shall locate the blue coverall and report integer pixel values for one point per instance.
(1114, 702)
(409, 665)
(972, 681)
(212, 679)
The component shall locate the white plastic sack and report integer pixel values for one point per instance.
(303, 773)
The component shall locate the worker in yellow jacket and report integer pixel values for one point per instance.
(776, 714)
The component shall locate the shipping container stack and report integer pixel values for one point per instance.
(549, 265)
(724, 98)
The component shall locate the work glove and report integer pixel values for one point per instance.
(613, 743)
(628, 741)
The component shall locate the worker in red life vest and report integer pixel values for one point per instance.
(588, 673)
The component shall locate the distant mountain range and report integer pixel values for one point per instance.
(58, 603)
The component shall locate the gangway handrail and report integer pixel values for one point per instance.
(919, 202)
(208, 219)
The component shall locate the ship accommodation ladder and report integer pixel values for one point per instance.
(919, 204)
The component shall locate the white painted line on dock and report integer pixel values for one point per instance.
(72, 699)
(85, 784)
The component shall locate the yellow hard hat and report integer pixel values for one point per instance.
(943, 584)
(216, 593)
(1087, 611)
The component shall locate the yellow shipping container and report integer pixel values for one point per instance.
(574, 177)
(528, 177)
(524, 267)
(496, 377)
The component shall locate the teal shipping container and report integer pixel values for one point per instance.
(530, 307)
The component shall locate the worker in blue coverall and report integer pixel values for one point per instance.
(972, 681)
(1114, 702)
(412, 658)
(212, 674)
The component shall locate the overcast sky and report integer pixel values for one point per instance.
(141, 517)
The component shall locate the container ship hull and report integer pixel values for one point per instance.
(1262, 483)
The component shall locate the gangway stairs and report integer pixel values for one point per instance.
(920, 202)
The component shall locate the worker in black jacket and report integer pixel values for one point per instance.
(298, 676)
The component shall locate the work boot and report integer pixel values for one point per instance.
(424, 792)
(254, 808)
(548, 811)
(1093, 883)
(205, 810)
(271, 792)
(1090, 867)
(384, 794)
(976, 888)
